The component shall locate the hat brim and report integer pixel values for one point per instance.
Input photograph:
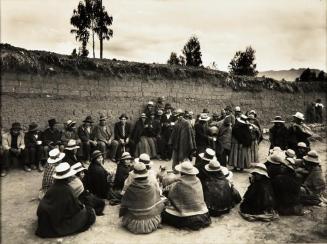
(295, 116)
(201, 155)
(207, 119)
(88, 121)
(135, 176)
(125, 158)
(52, 161)
(312, 160)
(72, 148)
(260, 172)
(137, 160)
(33, 129)
(207, 168)
(269, 159)
(277, 121)
(79, 170)
(65, 176)
(227, 173)
(94, 157)
(194, 171)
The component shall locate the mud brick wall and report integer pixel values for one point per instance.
(26, 97)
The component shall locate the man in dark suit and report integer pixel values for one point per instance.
(84, 133)
(122, 132)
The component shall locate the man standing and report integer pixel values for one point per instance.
(122, 132)
(14, 148)
(84, 133)
(182, 139)
(105, 138)
(202, 137)
(298, 132)
(166, 129)
(318, 110)
(278, 134)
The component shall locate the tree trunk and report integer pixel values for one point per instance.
(100, 35)
(93, 44)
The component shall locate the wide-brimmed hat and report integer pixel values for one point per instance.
(252, 112)
(213, 165)
(277, 119)
(33, 126)
(289, 162)
(290, 153)
(159, 112)
(63, 171)
(96, 154)
(52, 122)
(140, 170)
(125, 156)
(70, 123)
(88, 119)
(275, 150)
(16, 126)
(312, 156)
(71, 145)
(144, 158)
(204, 117)
(242, 119)
(178, 111)
(228, 108)
(299, 115)
(302, 144)
(275, 158)
(102, 117)
(205, 111)
(251, 117)
(237, 109)
(215, 114)
(186, 167)
(143, 115)
(227, 173)
(150, 103)
(168, 106)
(78, 167)
(123, 115)
(261, 169)
(55, 156)
(208, 154)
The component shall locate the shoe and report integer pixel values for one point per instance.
(27, 169)
(3, 173)
(33, 167)
(40, 168)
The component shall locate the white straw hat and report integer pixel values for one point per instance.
(55, 156)
(63, 171)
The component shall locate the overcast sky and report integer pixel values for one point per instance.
(285, 33)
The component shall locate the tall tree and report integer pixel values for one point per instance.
(321, 76)
(81, 22)
(243, 63)
(173, 59)
(308, 75)
(192, 52)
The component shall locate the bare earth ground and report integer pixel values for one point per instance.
(18, 218)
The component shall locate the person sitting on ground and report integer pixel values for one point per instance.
(274, 162)
(287, 189)
(83, 195)
(71, 152)
(122, 132)
(187, 208)
(54, 159)
(51, 137)
(203, 159)
(314, 184)
(104, 137)
(69, 133)
(98, 179)
(123, 169)
(259, 200)
(13, 145)
(33, 143)
(278, 134)
(144, 158)
(301, 150)
(218, 194)
(59, 212)
(85, 133)
(141, 204)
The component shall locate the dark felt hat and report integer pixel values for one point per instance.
(96, 154)
(52, 122)
(16, 126)
(33, 126)
(88, 119)
(123, 116)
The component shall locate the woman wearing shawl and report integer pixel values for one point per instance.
(59, 212)
(139, 138)
(141, 204)
(218, 194)
(256, 136)
(259, 199)
(122, 171)
(239, 156)
(85, 197)
(187, 207)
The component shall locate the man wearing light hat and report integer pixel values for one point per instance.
(182, 140)
(203, 159)
(298, 131)
(69, 132)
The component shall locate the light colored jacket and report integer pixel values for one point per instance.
(6, 141)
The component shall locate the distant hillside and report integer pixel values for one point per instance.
(289, 75)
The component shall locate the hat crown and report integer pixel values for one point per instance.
(299, 115)
(186, 166)
(277, 158)
(77, 165)
(214, 165)
(125, 154)
(62, 167)
(139, 166)
(71, 143)
(290, 153)
(302, 144)
(144, 158)
(179, 111)
(54, 152)
(313, 154)
(237, 109)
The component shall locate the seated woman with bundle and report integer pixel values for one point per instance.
(187, 207)
(59, 212)
(141, 204)
(259, 199)
(85, 197)
(218, 194)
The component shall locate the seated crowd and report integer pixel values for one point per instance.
(76, 185)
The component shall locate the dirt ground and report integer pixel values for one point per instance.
(19, 191)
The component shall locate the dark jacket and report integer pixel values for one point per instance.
(60, 214)
(122, 173)
(201, 135)
(51, 136)
(83, 133)
(97, 180)
(100, 134)
(31, 138)
(258, 198)
(296, 134)
(118, 131)
(138, 131)
(70, 158)
(242, 134)
(278, 136)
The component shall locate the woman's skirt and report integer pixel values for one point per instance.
(194, 222)
(141, 226)
(142, 147)
(239, 156)
(254, 152)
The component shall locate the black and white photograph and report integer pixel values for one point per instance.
(163, 121)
